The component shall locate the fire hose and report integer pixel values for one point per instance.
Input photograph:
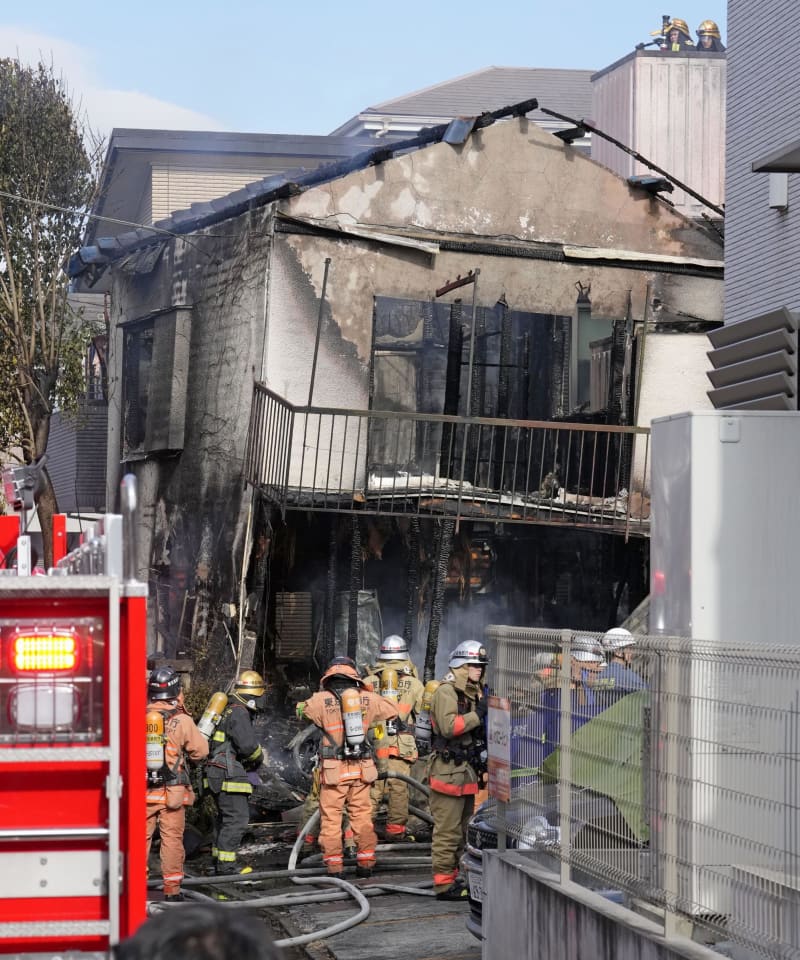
(311, 875)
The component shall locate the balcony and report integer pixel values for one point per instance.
(434, 465)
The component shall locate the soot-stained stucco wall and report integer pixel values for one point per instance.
(191, 502)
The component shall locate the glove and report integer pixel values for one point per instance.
(480, 708)
(254, 778)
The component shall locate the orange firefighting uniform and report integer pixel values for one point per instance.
(166, 806)
(345, 780)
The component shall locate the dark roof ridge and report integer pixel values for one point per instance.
(275, 187)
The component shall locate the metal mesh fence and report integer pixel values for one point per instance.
(665, 769)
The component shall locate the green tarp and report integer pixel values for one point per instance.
(606, 757)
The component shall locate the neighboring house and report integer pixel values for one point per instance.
(763, 160)
(148, 174)
(76, 448)
(567, 91)
(755, 357)
(354, 273)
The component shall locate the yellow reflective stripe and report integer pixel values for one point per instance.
(219, 736)
(231, 786)
(226, 856)
(256, 753)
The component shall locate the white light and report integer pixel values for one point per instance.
(43, 706)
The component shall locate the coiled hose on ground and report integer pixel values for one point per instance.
(312, 875)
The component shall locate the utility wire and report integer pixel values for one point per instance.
(89, 216)
(584, 124)
(98, 216)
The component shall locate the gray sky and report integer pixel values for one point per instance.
(270, 67)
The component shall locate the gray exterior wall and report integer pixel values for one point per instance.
(254, 295)
(761, 244)
(76, 459)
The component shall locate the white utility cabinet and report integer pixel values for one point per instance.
(725, 541)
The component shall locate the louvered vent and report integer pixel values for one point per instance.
(293, 636)
(755, 363)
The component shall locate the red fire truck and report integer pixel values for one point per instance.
(72, 744)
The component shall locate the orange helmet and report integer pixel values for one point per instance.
(708, 29)
(341, 667)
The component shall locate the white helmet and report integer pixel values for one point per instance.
(587, 650)
(393, 648)
(469, 651)
(617, 638)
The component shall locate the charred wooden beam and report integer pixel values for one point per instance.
(356, 561)
(329, 629)
(444, 541)
(452, 387)
(412, 581)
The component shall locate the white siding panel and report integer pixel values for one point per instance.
(178, 187)
(762, 244)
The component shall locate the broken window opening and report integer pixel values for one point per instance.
(137, 363)
(155, 378)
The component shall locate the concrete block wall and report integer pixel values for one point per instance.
(528, 914)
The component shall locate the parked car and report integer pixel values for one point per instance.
(609, 833)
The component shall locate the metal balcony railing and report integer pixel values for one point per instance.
(505, 471)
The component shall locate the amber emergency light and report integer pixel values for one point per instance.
(44, 652)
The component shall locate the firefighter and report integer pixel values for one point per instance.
(344, 709)
(310, 806)
(709, 39)
(395, 676)
(618, 678)
(678, 39)
(457, 763)
(235, 752)
(174, 735)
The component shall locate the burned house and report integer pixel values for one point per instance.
(408, 393)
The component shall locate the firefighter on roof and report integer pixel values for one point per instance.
(395, 676)
(709, 39)
(344, 709)
(235, 751)
(678, 38)
(457, 764)
(172, 738)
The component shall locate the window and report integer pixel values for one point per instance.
(155, 370)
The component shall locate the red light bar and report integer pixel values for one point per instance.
(44, 652)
